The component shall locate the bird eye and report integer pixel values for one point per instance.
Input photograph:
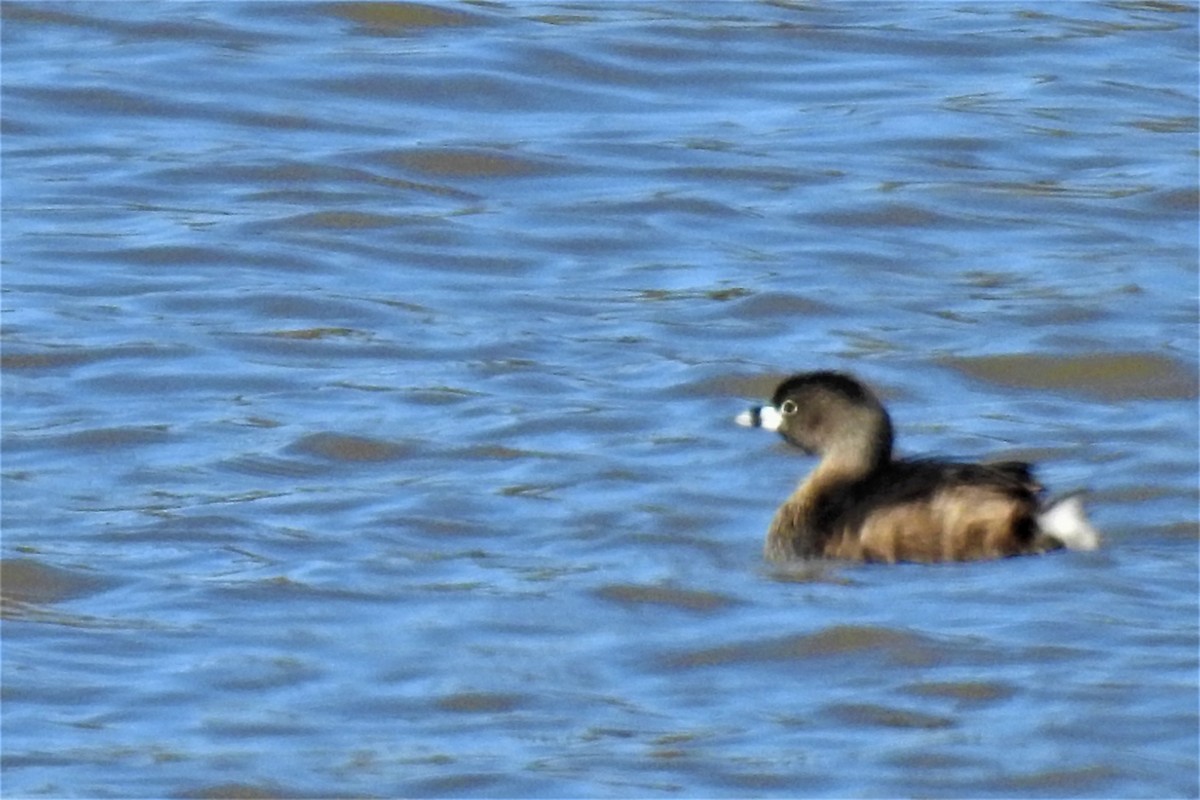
(788, 407)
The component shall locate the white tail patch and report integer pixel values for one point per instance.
(1065, 520)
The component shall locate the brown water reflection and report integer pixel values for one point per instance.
(1113, 377)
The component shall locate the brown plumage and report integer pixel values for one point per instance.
(861, 504)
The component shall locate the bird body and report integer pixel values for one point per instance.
(861, 504)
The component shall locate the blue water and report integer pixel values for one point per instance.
(369, 370)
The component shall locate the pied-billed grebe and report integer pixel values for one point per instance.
(862, 504)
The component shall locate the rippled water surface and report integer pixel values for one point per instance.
(369, 372)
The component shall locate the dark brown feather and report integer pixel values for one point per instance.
(914, 510)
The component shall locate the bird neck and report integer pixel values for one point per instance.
(801, 526)
(852, 459)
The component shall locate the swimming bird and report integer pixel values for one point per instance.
(862, 504)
